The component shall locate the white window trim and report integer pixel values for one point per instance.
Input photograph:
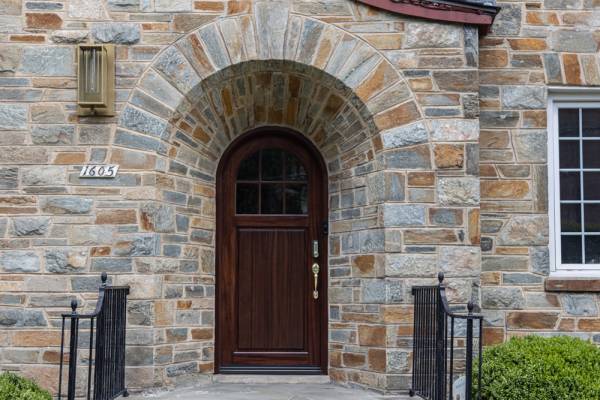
(564, 98)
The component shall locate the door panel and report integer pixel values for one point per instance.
(271, 201)
(271, 262)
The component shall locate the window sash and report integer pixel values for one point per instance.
(554, 186)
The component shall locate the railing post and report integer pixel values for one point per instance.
(440, 353)
(469, 355)
(74, 338)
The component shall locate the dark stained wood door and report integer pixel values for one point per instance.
(271, 210)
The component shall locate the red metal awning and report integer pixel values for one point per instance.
(450, 11)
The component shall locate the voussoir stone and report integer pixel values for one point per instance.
(67, 260)
(116, 32)
(19, 261)
(31, 226)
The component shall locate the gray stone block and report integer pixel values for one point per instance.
(143, 122)
(31, 226)
(403, 214)
(524, 97)
(48, 61)
(66, 205)
(116, 32)
(502, 298)
(19, 261)
(20, 317)
(111, 265)
(13, 116)
(66, 260)
(8, 178)
(582, 305)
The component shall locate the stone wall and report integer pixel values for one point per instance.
(391, 102)
(531, 46)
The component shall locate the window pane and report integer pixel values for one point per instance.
(568, 122)
(591, 185)
(271, 198)
(570, 218)
(592, 217)
(590, 126)
(591, 154)
(272, 165)
(569, 154)
(248, 170)
(571, 249)
(246, 199)
(294, 170)
(592, 249)
(569, 186)
(296, 199)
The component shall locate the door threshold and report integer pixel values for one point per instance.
(268, 379)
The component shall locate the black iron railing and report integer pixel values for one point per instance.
(106, 352)
(443, 346)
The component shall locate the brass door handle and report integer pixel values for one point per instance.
(315, 271)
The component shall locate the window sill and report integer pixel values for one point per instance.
(560, 284)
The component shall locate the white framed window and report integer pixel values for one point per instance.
(574, 184)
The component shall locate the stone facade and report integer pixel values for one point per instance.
(392, 103)
(531, 47)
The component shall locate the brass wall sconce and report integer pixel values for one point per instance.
(96, 80)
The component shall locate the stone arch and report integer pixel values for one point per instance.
(187, 108)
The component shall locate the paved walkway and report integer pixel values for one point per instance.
(265, 391)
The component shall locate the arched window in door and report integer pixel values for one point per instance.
(271, 181)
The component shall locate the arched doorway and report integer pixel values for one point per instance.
(271, 256)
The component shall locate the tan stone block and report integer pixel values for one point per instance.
(487, 171)
(129, 159)
(421, 178)
(209, 6)
(542, 18)
(501, 189)
(27, 38)
(494, 139)
(117, 217)
(43, 20)
(384, 41)
(238, 7)
(572, 69)
(532, 320)
(202, 334)
(335, 359)
(155, 26)
(502, 77)
(400, 115)
(429, 236)
(371, 335)
(100, 251)
(493, 58)
(164, 313)
(449, 155)
(492, 336)
(474, 227)
(377, 360)
(566, 324)
(420, 84)
(534, 119)
(491, 278)
(397, 314)
(589, 325)
(360, 317)
(330, 37)
(41, 338)
(353, 360)
(527, 44)
(381, 78)
(363, 265)
(69, 158)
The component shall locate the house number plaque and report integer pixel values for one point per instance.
(99, 171)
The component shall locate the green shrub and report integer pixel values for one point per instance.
(13, 387)
(537, 368)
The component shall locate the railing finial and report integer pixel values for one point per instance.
(441, 277)
(470, 307)
(74, 306)
(104, 278)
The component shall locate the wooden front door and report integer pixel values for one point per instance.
(271, 211)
